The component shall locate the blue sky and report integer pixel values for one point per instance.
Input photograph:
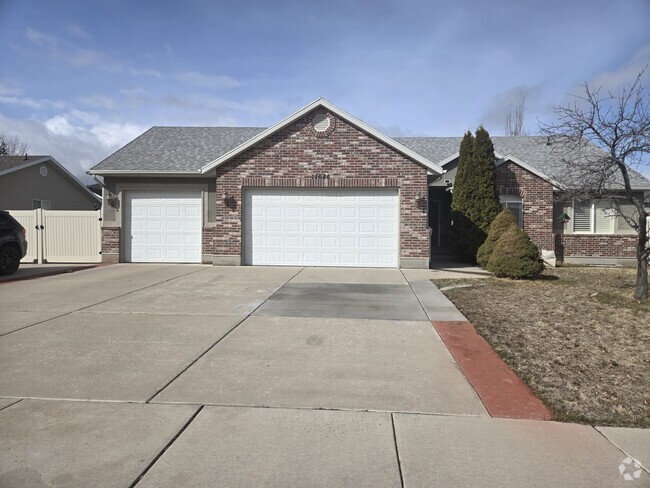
(79, 79)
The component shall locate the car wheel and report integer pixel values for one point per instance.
(9, 260)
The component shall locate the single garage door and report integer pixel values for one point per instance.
(321, 227)
(163, 227)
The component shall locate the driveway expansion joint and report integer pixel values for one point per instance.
(399, 461)
(215, 343)
(167, 446)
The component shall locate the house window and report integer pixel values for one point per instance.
(515, 205)
(593, 217)
(44, 204)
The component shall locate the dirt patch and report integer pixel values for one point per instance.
(576, 336)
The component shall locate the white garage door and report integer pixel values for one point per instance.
(163, 227)
(321, 227)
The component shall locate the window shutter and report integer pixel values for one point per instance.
(582, 218)
(604, 217)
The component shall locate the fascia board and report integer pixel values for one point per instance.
(138, 172)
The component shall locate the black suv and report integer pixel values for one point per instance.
(13, 245)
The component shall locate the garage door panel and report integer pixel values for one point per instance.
(163, 227)
(321, 227)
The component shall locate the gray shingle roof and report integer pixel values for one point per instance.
(188, 149)
(177, 148)
(533, 150)
(8, 162)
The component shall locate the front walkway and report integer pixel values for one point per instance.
(152, 375)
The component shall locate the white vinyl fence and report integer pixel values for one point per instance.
(61, 236)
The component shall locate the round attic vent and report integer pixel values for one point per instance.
(43, 170)
(320, 122)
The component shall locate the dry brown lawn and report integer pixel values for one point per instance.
(575, 335)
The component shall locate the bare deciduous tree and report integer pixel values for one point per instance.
(12, 145)
(515, 116)
(603, 137)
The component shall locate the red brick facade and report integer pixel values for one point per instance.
(110, 244)
(349, 157)
(537, 196)
(208, 238)
(596, 245)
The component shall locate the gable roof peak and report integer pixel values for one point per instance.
(321, 102)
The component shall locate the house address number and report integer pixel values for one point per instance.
(320, 176)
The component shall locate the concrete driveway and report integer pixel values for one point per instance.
(162, 375)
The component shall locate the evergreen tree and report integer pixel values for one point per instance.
(475, 201)
(3, 148)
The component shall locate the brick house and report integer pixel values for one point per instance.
(322, 188)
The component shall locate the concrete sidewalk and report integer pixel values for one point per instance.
(166, 376)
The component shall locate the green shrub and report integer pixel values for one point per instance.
(515, 256)
(502, 223)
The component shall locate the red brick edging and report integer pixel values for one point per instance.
(502, 392)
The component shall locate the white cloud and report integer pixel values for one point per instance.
(76, 145)
(6, 90)
(114, 135)
(83, 57)
(76, 31)
(59, 126)
(145, 72)
(194, 78)
(40, 39)
(72, 54)
(26, 102)
(626, 73)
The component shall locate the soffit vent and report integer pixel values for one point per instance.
(321, 122)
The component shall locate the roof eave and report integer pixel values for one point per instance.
(127, 172)
(341, 113)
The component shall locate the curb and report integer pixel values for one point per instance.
(502, 392)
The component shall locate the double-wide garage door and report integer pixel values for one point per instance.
(163, 227)
(321, 227)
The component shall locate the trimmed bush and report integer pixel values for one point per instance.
(515, 256)
(504, 221)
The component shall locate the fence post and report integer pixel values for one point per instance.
(40, 226)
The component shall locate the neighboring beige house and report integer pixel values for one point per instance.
(29, 182)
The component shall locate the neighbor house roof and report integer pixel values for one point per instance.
(12, 164)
